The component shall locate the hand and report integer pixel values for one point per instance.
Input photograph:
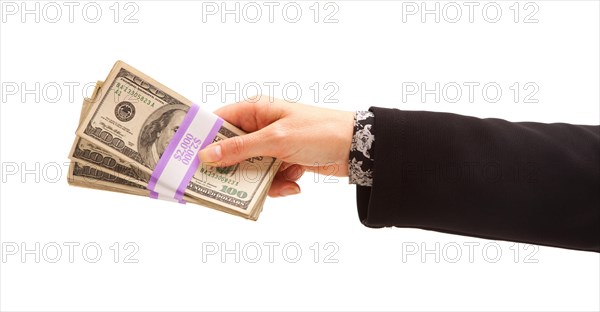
(304, 137)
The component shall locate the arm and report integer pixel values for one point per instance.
(525, 182)
(490, 178)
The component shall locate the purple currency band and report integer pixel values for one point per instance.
(179, 162)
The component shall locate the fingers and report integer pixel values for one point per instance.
(236, 149)
(252, 114)
(292, 172)
(281, 188)
(284, 182)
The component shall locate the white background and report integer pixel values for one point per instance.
(368, 54)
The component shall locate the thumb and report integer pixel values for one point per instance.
(234, 150)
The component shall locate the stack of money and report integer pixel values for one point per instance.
(124, 129)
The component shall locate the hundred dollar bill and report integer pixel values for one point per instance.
(127, 128)
(82, 170)
(88, 154)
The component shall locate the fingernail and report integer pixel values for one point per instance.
(211, 154)
(296, 174)
(289, 191)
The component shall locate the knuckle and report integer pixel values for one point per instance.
(277, 138)
(236, 145)
(278, 133)
(254, 98)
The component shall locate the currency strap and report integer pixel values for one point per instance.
(179, 162)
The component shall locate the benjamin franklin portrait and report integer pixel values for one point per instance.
(157, 132)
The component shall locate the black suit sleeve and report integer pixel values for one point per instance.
(490, 178)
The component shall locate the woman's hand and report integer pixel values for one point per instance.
(304, 137)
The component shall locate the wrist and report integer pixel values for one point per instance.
(345, 132)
